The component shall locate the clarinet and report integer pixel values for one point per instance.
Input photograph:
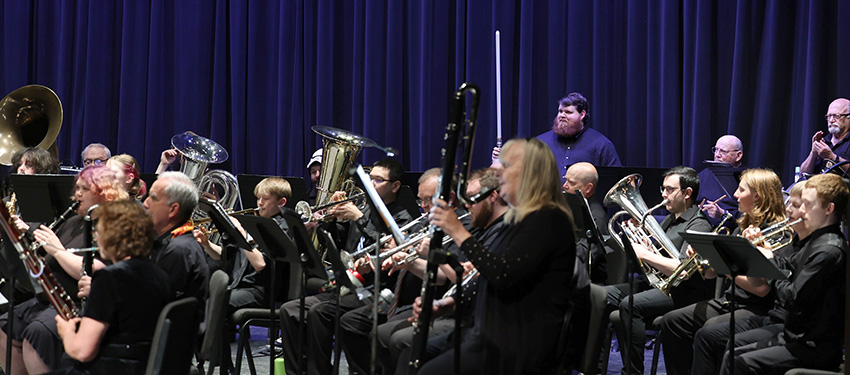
(38, 270)
(88, 256)
(436, 255)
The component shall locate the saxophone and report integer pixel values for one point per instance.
(35, 265)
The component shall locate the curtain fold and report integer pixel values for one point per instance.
(664, 78)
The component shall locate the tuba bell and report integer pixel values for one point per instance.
(198, 152)
(30, 116)
(339, 149)
(626, 195)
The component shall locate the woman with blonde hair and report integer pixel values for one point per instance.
(525, 282)
(759, 197)
(127, 170)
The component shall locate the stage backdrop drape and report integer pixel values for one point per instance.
(664, 78)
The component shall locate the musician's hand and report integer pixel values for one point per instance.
(641, 251)
(752, 233)
(66, 328)
(438, 308)
(709, 273)
(823, 150)
(21, 225)
(766, 251)
(494, 157)
(424, 247)
(165, 159)
(713, 210)
(48, 239)
(363, 265)
(346, 211)
(467, 267)
(443, 216)
(84, 286)
(202, 237)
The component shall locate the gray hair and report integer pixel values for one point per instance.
(182, 190)
(101, 145)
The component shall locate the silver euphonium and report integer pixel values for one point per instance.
(197, 153)
(626, 195)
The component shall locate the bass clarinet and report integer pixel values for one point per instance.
(37, 268)
(436, 255)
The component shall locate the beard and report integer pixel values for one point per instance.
(834, 129)
(566, 129)
(481, 219)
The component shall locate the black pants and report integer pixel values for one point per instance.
(711, 341)
(647, 305)
(679, 327)
(776, 356)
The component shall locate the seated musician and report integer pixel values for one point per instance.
(759, 197)
(248, 281)
(710, 341)
(95, 154)
(114, 334)
(487, 226)
(713, 198)
(812, 334)
(680, 187)
(522, 288)
(171, 200)
(127, 169)
(33, 160)
(583, 177)
(359, 229)
(35, 340)
(834, 148)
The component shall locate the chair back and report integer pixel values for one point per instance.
(216, 314)
(174, 338)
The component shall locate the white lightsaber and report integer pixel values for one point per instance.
(498, 90)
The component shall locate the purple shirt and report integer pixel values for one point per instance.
(588, 145)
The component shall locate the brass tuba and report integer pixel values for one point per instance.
(626, 195)
(198, 152)
(339, 149)
(30, 116)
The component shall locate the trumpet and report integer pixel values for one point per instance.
(409, 245)
(348, 258)
(777, 235)
(306, 212)
(693, 264)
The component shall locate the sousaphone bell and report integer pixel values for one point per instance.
(30, 116)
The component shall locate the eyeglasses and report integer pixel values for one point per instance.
(714, 150)
(89, 162)
(380, 180)
(424, 202)
(668, 189)
(837, 116)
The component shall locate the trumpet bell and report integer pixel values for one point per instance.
(30, 116)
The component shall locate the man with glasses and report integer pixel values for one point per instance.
(95, 154)
(356, 229)
(680, 187)
(834, 148)
(715, 199)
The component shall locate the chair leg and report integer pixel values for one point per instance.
(655, 352)
(240, 346)
(606, 352)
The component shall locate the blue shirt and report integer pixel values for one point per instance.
(588, 145)
(842, 149)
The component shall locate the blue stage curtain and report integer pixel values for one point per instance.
(664, 78)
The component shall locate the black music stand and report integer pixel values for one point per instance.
(229, 233)
(278, 247)
(311, 266)
(735, 256)
(341, 276)
(43, 197)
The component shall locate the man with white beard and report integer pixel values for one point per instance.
(833, 148)
(572, 141)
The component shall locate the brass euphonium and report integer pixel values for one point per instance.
(626, 195)
(198, 152)
(693, 264)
